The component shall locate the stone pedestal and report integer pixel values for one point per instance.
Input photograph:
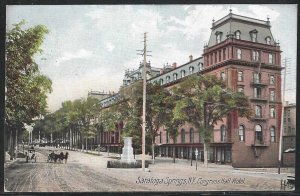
(127, 151)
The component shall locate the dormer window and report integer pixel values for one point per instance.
(182, 73)
(168, 79)
(161, 81)
(200, 66)
(218, 37)
(223, 76)
(238, 35)
(175, 76)
(268, 40)
(191, 69)
(253, 35)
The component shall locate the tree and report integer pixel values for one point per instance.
(204, 101)
(156, 112)
(87, 109)
(26, 87)
(172, 120)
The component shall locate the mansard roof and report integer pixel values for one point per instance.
(232, 23)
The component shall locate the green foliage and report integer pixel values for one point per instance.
(27, 88)
(155, 110)
(173, 118)
(204, 101)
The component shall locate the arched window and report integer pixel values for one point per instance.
(242, 133)
(238, 35)
(191, 69)
(272, 111)
(168, 79)
(161, 81)
(223, 76)
(175, 76)
(182, 136)
(253, 35)
(268, 40)
(258, 111)
(182, 73)
(191, 135)
(272, 79)
(200, 66)
(218, 37)
(258, 133)
(272, 132)
(223, 133)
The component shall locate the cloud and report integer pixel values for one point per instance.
(67, 56)
(110, 47)
(197, 20)
(66, 88)
(262, 12)
(126, 20)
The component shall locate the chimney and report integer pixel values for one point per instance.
(191, 58)
(174, 65)
(161, 71)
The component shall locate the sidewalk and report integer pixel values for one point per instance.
(163, 161)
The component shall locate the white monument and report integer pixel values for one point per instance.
(127, 151)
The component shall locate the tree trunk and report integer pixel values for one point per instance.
(174, 153)
(82, 143)
(70, 139)
(153, 155)
(86, 146)
(205, 150)
(16, 144)
(11, 144)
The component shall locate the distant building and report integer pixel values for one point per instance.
(99, 95)
(289, 134)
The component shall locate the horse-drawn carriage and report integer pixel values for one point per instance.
(53, 157)
(30, 155)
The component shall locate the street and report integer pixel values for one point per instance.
(74, 176)
(87, 172)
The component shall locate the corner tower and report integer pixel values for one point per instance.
(243, 52)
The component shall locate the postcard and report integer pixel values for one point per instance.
(150, 98)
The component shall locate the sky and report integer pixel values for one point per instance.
(89, 47)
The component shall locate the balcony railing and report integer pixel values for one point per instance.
(259, 118)
(259, 99)
(260, 143)
(258, 83)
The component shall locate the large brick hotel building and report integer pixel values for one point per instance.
(242, 52)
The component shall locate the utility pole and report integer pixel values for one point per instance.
(144, 75)
(282, 115)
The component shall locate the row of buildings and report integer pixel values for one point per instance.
(243, 52)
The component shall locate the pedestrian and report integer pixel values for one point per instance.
(66, 157)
